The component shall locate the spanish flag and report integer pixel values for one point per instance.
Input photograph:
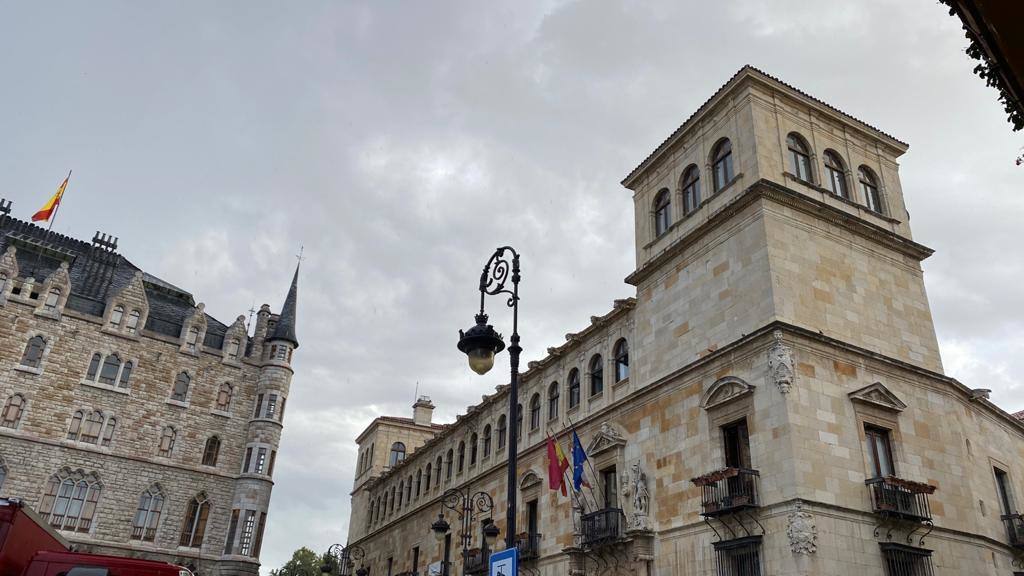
(557, 465)
(51, 205)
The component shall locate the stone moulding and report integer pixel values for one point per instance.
(724, 390)
(878, 395)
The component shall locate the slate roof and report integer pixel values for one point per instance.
(285, 327)
(97, 273)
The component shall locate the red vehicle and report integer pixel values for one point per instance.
(30, 547)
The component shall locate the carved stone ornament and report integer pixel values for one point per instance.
(725, 389)
(801, 531)
(609, 431)
(607, 438)
(879, 396)
(780, 363)
(638, 489)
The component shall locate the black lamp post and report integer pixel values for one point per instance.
(339, 556)
(467, 506)
(481, 342)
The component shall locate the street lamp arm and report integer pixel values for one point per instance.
(498, 271)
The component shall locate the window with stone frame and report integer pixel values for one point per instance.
(179, 392)
(799, 157)
(271, 410)
(880, 460)
(721, 164)
(397, 454)
(836, 174)
(259, 406)
(596, 375)
(473, 444)
(502, 432)
(33, 355)
(437, 467)
(224, 394)
(229, 543)
(449, 464)
(535, 412)
(621, 353)
(167, 438)
(259, 535)
(462, 456)
(419, 482)
(194, 527)
(553, 406)
(211, 451)
(116, 315)
(487, 441)
(191, 339)
(408, 491)
(248, 529)
(270, 465)
(132, 325)
(69, 502)
(690, 185)
(869, 188)
(147, 515)
(52, 299)
(92, 428)
(261, 460)
(109, 370)
(14, 408)
(662, 212)
(573, 384)
(248, 459)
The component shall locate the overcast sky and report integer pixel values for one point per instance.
(401, 142)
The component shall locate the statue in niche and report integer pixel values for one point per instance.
(641, 497)
(780, 363)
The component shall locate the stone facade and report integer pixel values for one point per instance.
(158, 400)
(782, 409)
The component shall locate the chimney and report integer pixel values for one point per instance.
(423, 411)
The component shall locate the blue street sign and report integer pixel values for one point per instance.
(505, 563)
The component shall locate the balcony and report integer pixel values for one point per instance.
(475, 561)
(528, 546)
(900, 499)
(1014, 529)
(728, 491)
(601, 527)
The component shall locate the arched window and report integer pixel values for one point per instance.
(116, 316)
(574, 388)
(437, 467)
(76, 425)
(426, 478)
(180, 390)
(401, 490)
(92, 428)
(408, 490)
(621, 360)
(869, 187)
(596, 375)
(448, 464)
(167, 438)
(721, 164)
(487, 440)
(70, 501)
(535, 412)
(33, 356)
(519, 424)
(211, 451)
(51, 300)
(233, 346)
(13, 410)
(126, 374)
(502, 431)
(397, 454)
(393, 501)
(836, 174)
(132, 326)
(690, 185)
(553, 401)
(224, 397)
(662, 211)
(473, 442)
(111, 366)
(192, 339)
(419, 482)
(462, 455)
(94, 366)
(194, 527)
(799, 157)
(147, 516)
(108, 432)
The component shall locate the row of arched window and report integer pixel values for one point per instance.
(799, 163)
(454, 461)
(129, 323)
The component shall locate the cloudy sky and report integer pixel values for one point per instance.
(401, 142)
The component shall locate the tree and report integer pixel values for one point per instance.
(304, 562)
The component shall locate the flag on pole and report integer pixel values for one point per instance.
(578, 458)
(51, 205)
(557, 465)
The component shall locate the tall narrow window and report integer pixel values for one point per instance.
(229, 544)
(473, 442)
(426, 478)
(13, 409)
(191, 339)
(180, 390)
(574, 388)
(3, 471)
(487, 442)
(259, 535)
(449, 464)
(502, 431)
(147, 516)
(869, 187)
(261, 460)
(108, 432)
(111, 366)
(259, 406)
(1004, 490)
(224, 397)
(270, 467)
(736, 441)
(419, 482)
(70, 501)
(662, 211)
(721, 164)
(621, 360)
(271, 406)
(116, 316)
(126, 374)
(397, 454)
(535, 412)
(462, 455)
(799, 157)
(248, 459)
(437, 467)
(51, 300)
(132, 325)
(248, 527)
(194, 527)
(836, 174)
(609, 487)
(691, 189)
(879, 452)
(94, 366)
(33, 355)
(408, 491)
(76, 425)
(211, 451)
(167, 438)
(596, 375)
(553, 401)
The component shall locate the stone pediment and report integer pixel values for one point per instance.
(878, 395)
(607, 438)
(725, 390)
(529, 480)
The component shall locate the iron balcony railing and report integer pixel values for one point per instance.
(475, 562)
(1014, 529)
(727, 491)
(903, 499)
(601, 527)
(903, 560)
(528, 546)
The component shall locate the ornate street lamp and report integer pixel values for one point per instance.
(481, 342)
(467, 506)
(340, 558)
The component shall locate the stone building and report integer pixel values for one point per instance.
(134, 422)
(772, 401)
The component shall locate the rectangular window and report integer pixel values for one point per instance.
(248, 459)
(273, 457)
(879, 452)
(737, 444)
(609, 485)
(261, 460)
(903, 560)
(259, 535)
(739, 557)
(259, 404)
(531, 517)
(248, 527)
(1004, 490)
(229, 545)
(271, 406)
(391, 563)
(416, 560)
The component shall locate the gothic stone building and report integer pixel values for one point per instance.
(133, 422)
(772, 400)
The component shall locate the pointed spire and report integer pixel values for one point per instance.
(285, 328)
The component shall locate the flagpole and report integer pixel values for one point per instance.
(590, 486)
(564, 480)
(591, 465)
(49, 226)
